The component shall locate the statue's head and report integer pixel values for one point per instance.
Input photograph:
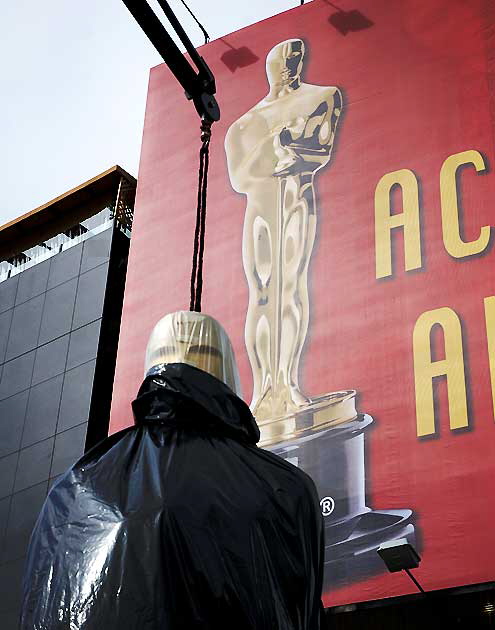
(284, 63)
(195, 339)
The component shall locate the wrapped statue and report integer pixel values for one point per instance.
(180, 521)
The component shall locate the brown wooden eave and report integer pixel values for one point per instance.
(61, 213)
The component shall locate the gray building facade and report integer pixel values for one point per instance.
(59, 326)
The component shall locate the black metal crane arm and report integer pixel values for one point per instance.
(199, 85)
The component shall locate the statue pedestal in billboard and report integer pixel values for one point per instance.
(326, 439)
(274, 151)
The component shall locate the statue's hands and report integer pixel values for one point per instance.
(290, 146)
(286, 157)
(292, 133)
(311, 135)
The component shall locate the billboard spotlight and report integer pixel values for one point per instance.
(400, 555)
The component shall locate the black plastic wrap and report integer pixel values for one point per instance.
(179, 522)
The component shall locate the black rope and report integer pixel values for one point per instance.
(196, 234)
(199, 232)
(206, 36)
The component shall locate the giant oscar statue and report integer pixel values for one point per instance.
(274, 152)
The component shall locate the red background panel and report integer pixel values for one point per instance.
(418, 86)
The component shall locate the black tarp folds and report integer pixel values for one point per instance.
(180, 522)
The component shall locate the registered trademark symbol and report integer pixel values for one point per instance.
(327, 505)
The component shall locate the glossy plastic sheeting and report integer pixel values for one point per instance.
(180, 522)
(196, 339)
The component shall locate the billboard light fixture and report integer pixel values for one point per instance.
(400, 555)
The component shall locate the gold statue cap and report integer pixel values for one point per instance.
(195, 339)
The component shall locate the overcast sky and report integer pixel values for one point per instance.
(74, 75)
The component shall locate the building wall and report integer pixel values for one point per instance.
(51, 323)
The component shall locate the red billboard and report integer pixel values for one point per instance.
(349, 257)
